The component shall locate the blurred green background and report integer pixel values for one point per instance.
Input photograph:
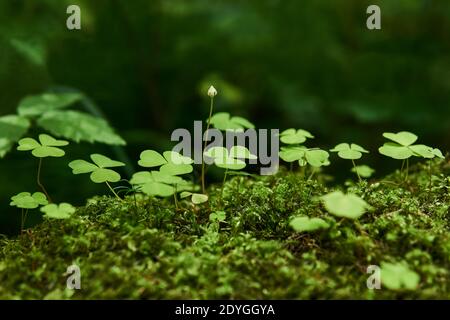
(308, 64)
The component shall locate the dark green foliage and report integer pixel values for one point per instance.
(143, 248)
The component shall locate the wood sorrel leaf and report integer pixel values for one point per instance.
(61, 211)
(46, 148)
(306, 224)
(151, 158)
(102, 175)
(345, 205)
(396, 276)
(292, 136)
(349, 152)
(104, 162)
(363, 171)
(395, 151)
(403, 138)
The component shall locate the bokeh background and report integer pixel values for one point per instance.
(308, 64)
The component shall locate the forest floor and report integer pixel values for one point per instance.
(143, 248)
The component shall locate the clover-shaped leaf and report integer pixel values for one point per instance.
(349, 152)
(172, 163)
(46, 147)
(26, 200)
(99, 169)
(345, 205)
(229, 160)
(291, 154)
(317, 158)
(403, 138)
(363, 171)
(223, 121)
(402, 146)
(292, 136)
(396, 151)
(424, 151)
(314, 157)
(219, 216)
(396, 276)
(196, 198)
(306, 224)
(61, 211)
(157, 183)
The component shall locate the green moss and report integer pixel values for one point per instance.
(143, 248)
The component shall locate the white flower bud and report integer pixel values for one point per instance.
(212, 92)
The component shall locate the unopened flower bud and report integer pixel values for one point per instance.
(212, 92)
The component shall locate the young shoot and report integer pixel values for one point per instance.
(196, 198)
(27, 201)
(363, 171)
(402, 148)
(350, 152)
(46, 147)
(315, 157)
(165, 182)
(61, 211)
(100, 170)
(229, 160)
(345, 205)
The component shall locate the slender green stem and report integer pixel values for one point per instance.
(312, 173)
(39, 181)
(211, 107)
(112, 190)
(22, 223)
(223, 184)
(407, 169)
(175, 197)
(357, 173)
(429, 168)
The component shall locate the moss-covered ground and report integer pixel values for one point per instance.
(143, 248)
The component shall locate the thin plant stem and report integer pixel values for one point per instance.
(357, 173)
(223, 184)
(38, 180)
(211, 107)
(22, 222)
(312, 173)
(175, 197)
(112, 190)
(407, 169)
(429, 168)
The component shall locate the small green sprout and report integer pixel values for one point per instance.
(27, 201)
(363, 171)
(46, 147)
(99, 170)
(292, 136)
(196, 198)
(229, 160)
(223, 121)
(217, 216)
(306, 224)
(165, 182)
(402, 148)
(350, 152)
(61, 211)
(397, 276)
(172, 163)
(315, 157)
(345, 205)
